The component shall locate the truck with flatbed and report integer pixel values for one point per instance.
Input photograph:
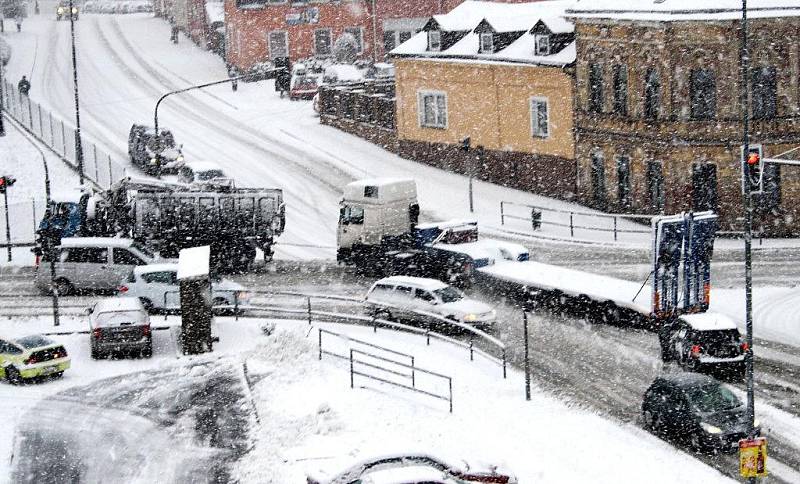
(169, 216)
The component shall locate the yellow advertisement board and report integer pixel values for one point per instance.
(753, 457)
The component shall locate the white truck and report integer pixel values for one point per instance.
(379, 231)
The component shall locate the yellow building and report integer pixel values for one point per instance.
(502, 76)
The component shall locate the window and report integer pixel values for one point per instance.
(595, 88)
(487, 43)
(598, 180)
(405, 35)
(764, 95)
(704, 187)
(352, 215)
(371, 191)
(432, 109)
(424, 295)
(278, 44)
(620, 80)
(655, 186)
(357, 34)
(389, 41)
(322, 42)
(164, 277)
(434, 40)
(540, 126)
(124, 257)
(91, 255)
(542, 44)
(703, 93)
(624, 181)
(403, 291)
(652, 88)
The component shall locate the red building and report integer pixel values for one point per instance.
(259, 30)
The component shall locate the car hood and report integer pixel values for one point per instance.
(728, 420)
(466, 306)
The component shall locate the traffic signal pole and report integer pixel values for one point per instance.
(8, 226)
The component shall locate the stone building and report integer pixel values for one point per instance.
(658, 113)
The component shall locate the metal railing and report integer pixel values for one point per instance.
(59, 135)
(535, 212)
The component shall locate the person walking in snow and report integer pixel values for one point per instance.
(24, 86)
(18, 21)
(233, 73)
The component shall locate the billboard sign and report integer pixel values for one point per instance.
(668, 244)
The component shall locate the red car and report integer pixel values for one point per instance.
(303, 87)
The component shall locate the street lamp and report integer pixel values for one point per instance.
(2, 98)
(78, 145)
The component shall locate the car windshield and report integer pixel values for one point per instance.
(115, 318)
(34, 341)
(209, 174)
(449, 294)
(712, 398)
(144, 250)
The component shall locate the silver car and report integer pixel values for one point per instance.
(120, 324)
(91, 263)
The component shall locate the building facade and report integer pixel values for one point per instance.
(500, 75)
(659, 117)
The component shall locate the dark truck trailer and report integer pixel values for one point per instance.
(168, 217)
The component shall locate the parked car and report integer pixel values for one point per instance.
(31, 357)
(409, 475)
(119, 324)
(156, 286)
(153, 154)
(63, 11)
(461, 471)
(697, 409)
(404, 296)
(706, 341)
(91, 263)
(204, 172)
(303, 86)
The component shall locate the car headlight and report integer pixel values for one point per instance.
(60, 10)
(756, 423)
(74, 10)
(179, 158)
(242, 296)
(711, 429)
(471, 317)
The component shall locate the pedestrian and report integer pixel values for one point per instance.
(233, 73)
(18, 21)
(24, 86)
(173, 36)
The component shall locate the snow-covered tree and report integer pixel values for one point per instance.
(345, 49)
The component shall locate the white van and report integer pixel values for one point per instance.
(91, 263)
(403, 297)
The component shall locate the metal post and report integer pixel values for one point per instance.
(110, 172)
(504, 363)
(309, 310)
(236, 306)
(351, 369)
(78, 146)
(571, 226)
(527, 358)
(615, 228)
(30, 113)
(471, 352)
(96, 169)
(502, 215)
(413, 379)
(748, 228)
(2, 104)
(33, 206)
(471, 204)
(428, 336)
(320, 343)
(8, 225)
(374, 323)
(450, 388)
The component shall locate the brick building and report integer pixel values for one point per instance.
(259, 30)
(658, 114)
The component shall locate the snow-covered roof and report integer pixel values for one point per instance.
(423, 282)
(194, 262)
(709, 321)
(503, 18)
(215, 11)
(681, 10)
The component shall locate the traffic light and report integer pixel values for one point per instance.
(752, 168)
(5, 182)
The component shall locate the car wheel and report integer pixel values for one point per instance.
(64, 287)
(12, 376)
(58, 374)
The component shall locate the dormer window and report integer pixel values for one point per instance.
(434, 40)
(542, 44)
(487, 43)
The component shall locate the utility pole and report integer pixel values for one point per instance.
(744, 101)
(2, 99)
(78, 144)
(527, 353)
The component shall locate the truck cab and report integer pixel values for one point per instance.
(373, 215)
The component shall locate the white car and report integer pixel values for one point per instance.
(157, 287)
(203, 172)
(405, 297)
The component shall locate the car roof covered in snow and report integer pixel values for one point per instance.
(423, 282)
(115, 304)
(95, 242)
(687, 379)
(167, 267)
(709, 321)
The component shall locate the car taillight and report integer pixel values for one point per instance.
(744, 346)
(37, 261)
(695, 352)
(146, 330)
(122, 289)
(97, 332)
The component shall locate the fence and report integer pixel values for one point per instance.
(98, 166)
(573, 220)
(24, 216)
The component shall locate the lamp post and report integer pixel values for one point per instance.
(744, 98)
(78, 145)
(2, 99)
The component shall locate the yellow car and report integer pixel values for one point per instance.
(31, 357)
